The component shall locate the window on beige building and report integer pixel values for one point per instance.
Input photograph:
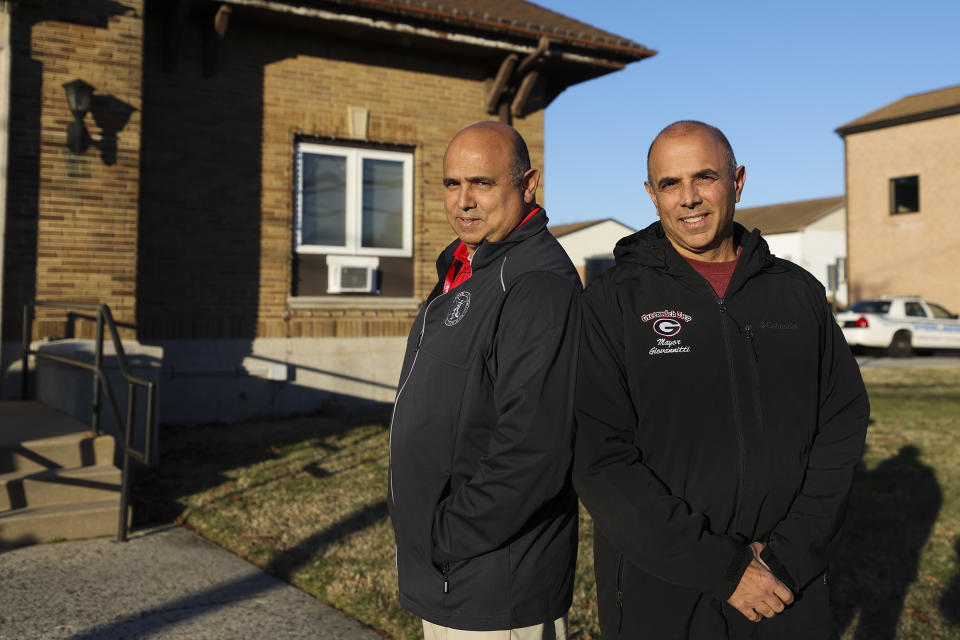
(905, 194)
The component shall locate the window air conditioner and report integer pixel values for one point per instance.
(357, 279)
(352, 275)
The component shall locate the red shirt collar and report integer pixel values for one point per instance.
(455, 278)
(461, 256)
(532, 213)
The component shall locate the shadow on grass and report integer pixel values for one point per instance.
(892, 512)
(950, 602)
(288, 562)
(198, 457)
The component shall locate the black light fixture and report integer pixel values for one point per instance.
(79, 94)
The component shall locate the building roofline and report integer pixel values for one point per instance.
(806, 210)
(892, 122)
(912, 108)
(561, 230)
(622, 50)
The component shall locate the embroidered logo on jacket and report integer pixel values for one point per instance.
(666, 313)
(667, 323)
(458, 309)
(667, 327)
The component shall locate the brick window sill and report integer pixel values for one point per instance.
(353, 302)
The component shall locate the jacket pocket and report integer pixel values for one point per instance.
(480, 586)
(608, 568)
(420, 580)
(808, 618)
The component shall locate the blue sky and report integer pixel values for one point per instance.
(776, 77)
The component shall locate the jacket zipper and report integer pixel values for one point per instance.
(393, 415)
(748, 334)
(741, 446)
(445, 570)
(755, 370)
(619, 593)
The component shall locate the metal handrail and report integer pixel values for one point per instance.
(100, 381)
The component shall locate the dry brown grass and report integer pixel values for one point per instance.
(305, 499)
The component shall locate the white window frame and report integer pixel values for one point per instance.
(354, 198)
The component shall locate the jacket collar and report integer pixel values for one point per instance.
(488, 252)
(650, 247)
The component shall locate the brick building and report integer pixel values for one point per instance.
(259, 181)
(903, 234)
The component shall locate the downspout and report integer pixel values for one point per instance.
(6, 10)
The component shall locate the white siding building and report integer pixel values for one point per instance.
(810, 233)
(590, 244)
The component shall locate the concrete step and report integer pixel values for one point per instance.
(83, 449)
(36, 437)
(35, 525)
(31, 420)
(21, 489)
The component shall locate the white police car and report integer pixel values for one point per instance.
(900, 324)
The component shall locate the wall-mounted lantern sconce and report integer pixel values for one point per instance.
(79, 95)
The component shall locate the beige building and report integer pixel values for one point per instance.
(902, 167)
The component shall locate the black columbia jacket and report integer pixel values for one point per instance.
(481, 440)
(705, 424)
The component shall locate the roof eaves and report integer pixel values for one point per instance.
(512, 27)
(883, 123)
(560, 230)
(802, 214)
(626, 50)
(802, 225)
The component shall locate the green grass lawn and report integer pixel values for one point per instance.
(304, 498)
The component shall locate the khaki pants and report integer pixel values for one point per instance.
(555, 631)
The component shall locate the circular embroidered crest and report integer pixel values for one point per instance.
(461, 302)
(667, 327)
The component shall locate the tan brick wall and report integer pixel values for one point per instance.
(219, 169)
(185, 228)
(421, 106)
(72, 219)
(201, 186)
(910, 253)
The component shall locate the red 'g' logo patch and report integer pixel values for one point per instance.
(667, 327)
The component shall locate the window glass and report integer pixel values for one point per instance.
(324, 199)
(914, 310)
(871, 306)
(905, 194)
(382, 218)
(938, 311)
(353, 201)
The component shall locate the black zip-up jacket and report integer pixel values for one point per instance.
(705, 424)
(481, 440)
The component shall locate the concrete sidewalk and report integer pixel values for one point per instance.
(166, 582)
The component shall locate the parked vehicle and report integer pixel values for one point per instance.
(900, 325)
